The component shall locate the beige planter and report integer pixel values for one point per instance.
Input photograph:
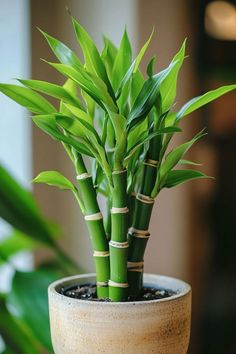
(158, 326)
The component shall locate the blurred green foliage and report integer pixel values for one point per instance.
(24, 322)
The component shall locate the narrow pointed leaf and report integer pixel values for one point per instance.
(62, 52)
(93, 61)
(54, 178)
(133, 69)
(79, 113)
(142, 52)
(47, 123)
(53, 90)
(81, 78)
(171, 161)
(168, 87)
(77, 127)
(108, 56)
(176, 154)
(148, 95)
(188, 162)
(119, 123)
(200, 101)
(150, 66)
(177, 177)
(137, 83)
(27, 98)
(91, 84)
(122, 61)
(149, 137)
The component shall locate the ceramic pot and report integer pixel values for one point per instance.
(89, 327)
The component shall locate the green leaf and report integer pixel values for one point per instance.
(77, 127)
(79, 113)
(54, 178)
(29, 303)
(19, 209)
(150, 66)
(168, 87)
(148, 95)
(52, 90)
(27, 98)
(92, 85)
(15, 335)
(146, 139)
(188, 162)
(47, 123)
(119, 124)
(171, 161)
(81, 129)
(62, 52)
(200, 101)
(176, 154)
(170, 119)
(142, 52)
(133, 69)
(122, 61)
(108, 55)
(137, 83)
(92, 58)
(15, 243)
(177, 177)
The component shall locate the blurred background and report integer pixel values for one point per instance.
(193, 226)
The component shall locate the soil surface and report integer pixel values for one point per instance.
(88, 292)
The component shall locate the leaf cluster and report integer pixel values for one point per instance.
(112, 113)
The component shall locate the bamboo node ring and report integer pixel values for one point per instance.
(118, 285)
(93, 217)
(102, 283)
(145, 199)
(83, 176)
(115, 210)
(119, 244)
(117, 172)
(101, 253)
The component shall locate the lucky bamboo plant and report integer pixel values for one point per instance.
(122, 122)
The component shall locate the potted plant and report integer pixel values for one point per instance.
(122, 123)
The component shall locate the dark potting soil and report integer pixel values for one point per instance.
(88, 292)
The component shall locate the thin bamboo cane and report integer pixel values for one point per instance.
(96, 229)
(118, 285)
(138, 234)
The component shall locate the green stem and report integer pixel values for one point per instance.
(118, 284)
(95, 226)
(139, 234)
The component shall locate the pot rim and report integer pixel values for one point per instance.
(186, 289)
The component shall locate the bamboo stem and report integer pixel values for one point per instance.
(118, 285)
(138, 234)
(94, 221)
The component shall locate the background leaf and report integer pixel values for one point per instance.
(28, 303)
(18, 208)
